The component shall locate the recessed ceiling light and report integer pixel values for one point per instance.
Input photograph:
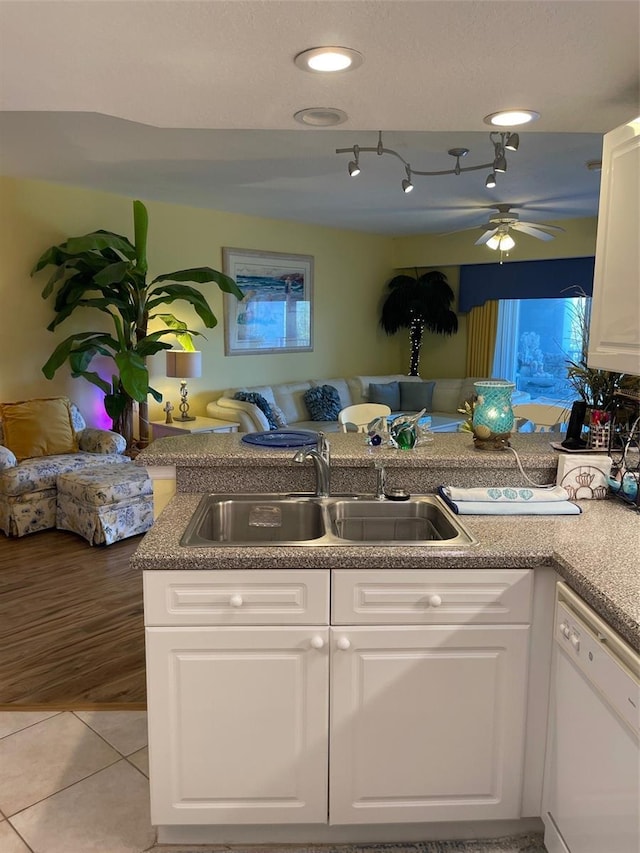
(320, 116)
(328, 59)
(511, 118)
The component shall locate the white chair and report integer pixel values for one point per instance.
(545, 418)
(360, 415)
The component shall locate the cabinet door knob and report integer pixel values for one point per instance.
(343, 644)
(435, 601)
(235, 601)
(317, 642)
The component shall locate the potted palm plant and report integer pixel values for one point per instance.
(417, 303)
(106, 272)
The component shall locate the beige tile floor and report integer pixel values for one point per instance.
(74, 782)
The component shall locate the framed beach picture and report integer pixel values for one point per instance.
(276, 314)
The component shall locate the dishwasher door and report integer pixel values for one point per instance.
(591, 798)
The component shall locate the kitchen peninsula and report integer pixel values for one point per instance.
(362, 692)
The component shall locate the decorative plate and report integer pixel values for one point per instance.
(283, 438)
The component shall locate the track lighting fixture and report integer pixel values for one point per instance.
(500, 142)
(512, 141)
(354, 165)
(407, 186)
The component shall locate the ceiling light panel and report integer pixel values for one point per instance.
(328, 60)
(511, 118)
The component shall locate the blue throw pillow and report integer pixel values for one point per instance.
(323, 403)
(415, 396)
(388, 394)
(259, 401)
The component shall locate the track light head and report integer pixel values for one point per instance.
(491, 181)
(513, 142)
(407, 186)
(500, 163)
(354, 165)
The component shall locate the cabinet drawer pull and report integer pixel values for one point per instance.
(435, 601)
(235, 601)
(317, 642)
(343, 644)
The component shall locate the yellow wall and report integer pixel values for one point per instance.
(350, 272)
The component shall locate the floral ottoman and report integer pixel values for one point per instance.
(105, 503)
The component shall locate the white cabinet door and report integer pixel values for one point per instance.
(614, 336)
(238, 721)
(427, 723)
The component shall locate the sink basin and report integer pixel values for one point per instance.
(254, 520)
(420, 520)
(274, 519)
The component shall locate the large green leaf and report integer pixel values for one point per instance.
(202, 275)
(140, 229)
(170, 293)
(113, 274)
(104, 344)
(133, 374)
(183, 336)
(114, 405)
(98, 241)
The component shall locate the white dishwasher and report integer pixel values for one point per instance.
(591, 801)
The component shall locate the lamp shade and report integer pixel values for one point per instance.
(183, 364)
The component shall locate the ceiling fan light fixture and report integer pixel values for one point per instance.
(506, 243)
(491, 181)
(329, 59)
(493, 242)
(511, 118)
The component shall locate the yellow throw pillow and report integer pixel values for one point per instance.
(39, 427)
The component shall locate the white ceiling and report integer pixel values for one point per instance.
(193, 102)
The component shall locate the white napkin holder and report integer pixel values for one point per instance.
(584, 475)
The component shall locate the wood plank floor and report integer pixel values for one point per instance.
(71, 624)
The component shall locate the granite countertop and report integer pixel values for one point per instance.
(595, 552)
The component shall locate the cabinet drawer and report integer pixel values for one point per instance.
(236, 597)
(436, 597)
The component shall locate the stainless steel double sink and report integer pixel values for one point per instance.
(273, 519)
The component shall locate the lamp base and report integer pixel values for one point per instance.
(184, 418)
(494, 441)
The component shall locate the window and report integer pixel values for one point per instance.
(534, 340)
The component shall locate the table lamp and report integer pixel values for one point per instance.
(184, 365)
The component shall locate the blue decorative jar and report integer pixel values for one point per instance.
(492, 414)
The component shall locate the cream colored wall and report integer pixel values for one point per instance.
(350, 272)
(446, 356)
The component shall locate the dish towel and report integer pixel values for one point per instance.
(505, 500)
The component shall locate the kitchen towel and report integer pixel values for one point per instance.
(494, 501)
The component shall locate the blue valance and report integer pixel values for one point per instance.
(524, 280)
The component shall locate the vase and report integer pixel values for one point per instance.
(492, 414)
(599, 430)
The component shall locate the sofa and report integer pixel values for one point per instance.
(287, 401)
(28, 487)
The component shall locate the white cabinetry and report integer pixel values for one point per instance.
(237, 707)
(427, 720)
(614, 336)
(410, 708)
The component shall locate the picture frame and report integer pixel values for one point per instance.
(276, 314)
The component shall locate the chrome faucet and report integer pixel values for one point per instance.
(381, 480)
(321, 456)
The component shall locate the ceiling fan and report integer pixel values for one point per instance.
(496, 235)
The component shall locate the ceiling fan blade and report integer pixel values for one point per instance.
(486, 237)
(461, 230)
(533, 232)
(542, 225)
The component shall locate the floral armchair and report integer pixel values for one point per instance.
(28, 483)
